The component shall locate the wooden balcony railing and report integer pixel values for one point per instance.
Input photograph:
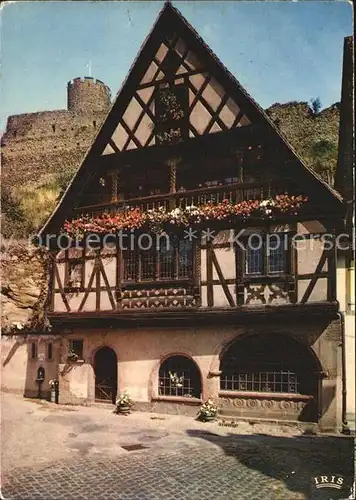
(235, 193)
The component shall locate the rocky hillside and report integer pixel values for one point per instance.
(23, 286)
(312, 133)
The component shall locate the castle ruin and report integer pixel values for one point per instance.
(38, 144)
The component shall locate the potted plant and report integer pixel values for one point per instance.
(72, 356)
(123, 404)
(176, 381)
(208, 411)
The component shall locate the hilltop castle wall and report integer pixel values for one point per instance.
(39, 144)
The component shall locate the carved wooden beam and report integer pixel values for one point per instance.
(114, 174)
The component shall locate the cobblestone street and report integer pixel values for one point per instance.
(85, 453)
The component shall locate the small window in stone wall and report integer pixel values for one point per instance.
(33, 350)
(179, 376)
(53, 128)
(76, 349)
(50, 351)
(74, 276)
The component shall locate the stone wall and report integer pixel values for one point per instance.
(36, 145)
(86, 94)
(140, 352)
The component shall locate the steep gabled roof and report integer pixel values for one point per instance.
(169, 16)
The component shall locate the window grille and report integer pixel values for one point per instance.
(130, 267)
(148, 264)
(166, 261)
(185, 259)
(268, 363)
(179, 376)
(278, 381)
(173, 260)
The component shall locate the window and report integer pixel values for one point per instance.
(254, 256)
(171, 114)
(33, 350)
(268, 363)
(173, 260)
(179, 376)
(75, 274)
(76, 347)
(276, 255)
(266, 254)
(259, 381)
(50, 351)
(139, 183)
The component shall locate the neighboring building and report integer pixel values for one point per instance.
(35, 144)
(256, 328)
(345, 184)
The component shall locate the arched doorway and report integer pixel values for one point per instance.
(271, 375)
(105, 368)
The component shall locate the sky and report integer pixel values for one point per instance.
(280, 51)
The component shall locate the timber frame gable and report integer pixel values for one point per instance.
(249, 120)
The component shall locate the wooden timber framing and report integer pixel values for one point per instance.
(307, 313)
(225, 142)
(171, 22)
(248, 289)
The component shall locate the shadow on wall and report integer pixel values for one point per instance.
(328, 396)
(295, 461)
(12, 351)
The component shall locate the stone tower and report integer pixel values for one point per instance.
(88, 95)
(36, 145)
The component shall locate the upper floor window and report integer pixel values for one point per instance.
(75, 274)
(266, 254)
(171, 105)
(171, 261)
(149, 181)
(209, 173)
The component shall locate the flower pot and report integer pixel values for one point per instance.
(123, 409)
(208, 418)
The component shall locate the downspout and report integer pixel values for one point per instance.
(345, 429)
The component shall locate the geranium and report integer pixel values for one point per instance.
(156, 219)
(208, 410)
(124, 400)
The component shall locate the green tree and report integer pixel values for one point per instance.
(324, 155)
(316, 105)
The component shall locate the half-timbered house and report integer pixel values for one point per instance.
(221, 308)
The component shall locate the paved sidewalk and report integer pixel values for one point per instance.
(82, 452)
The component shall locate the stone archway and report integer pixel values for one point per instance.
(179, 376)
(270, 375)
(105, 369)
